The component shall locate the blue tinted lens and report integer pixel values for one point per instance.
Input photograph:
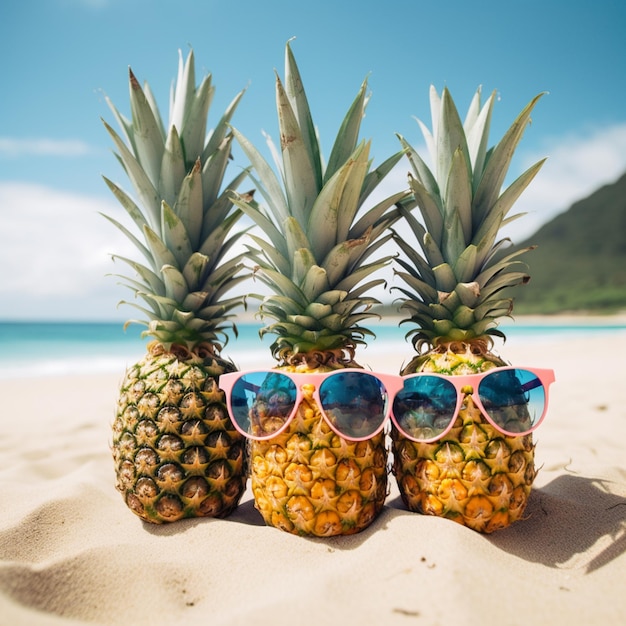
(425, 406)
(355, 403)
(262, 402)
(514, 399)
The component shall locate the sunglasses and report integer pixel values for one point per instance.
(356, 404)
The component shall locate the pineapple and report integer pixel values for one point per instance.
(452, 291)
(314, 259)
(175, 449)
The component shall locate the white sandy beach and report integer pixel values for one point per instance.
(72, 553)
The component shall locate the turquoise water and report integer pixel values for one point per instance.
(56, 348)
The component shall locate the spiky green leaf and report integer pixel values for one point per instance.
(497, 166)
(189, 210)
(141, 182)
(458, 196)
(193, 130)
(294, 90)
(299, 172)
(315, 283)
(147, 139)
(268, 184)
(348, 135)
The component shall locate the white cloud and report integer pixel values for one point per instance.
(577, 166)
(11, 147)
(55, 253)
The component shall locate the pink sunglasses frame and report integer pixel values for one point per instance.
(227, 382)
(546, 378)
(392, 384)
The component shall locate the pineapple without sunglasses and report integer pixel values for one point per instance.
(175, 450)
(454, 279)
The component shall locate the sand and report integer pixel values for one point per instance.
(72, 553)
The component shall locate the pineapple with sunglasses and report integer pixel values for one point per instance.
(472, 469)
(318, 259)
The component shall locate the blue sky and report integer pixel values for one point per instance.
(60, 58)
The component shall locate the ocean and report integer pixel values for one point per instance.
(60, 348)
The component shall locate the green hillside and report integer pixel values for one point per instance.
(580, 261)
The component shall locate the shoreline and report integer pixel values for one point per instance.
(48, 364)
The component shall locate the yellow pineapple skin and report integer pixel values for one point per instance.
(309, 481)
(175, 450)
(475, 476)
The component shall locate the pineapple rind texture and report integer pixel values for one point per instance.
(475, 476)
(175, 450)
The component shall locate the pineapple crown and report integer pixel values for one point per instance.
(454, 285)
(319, 246)
(177, 173)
